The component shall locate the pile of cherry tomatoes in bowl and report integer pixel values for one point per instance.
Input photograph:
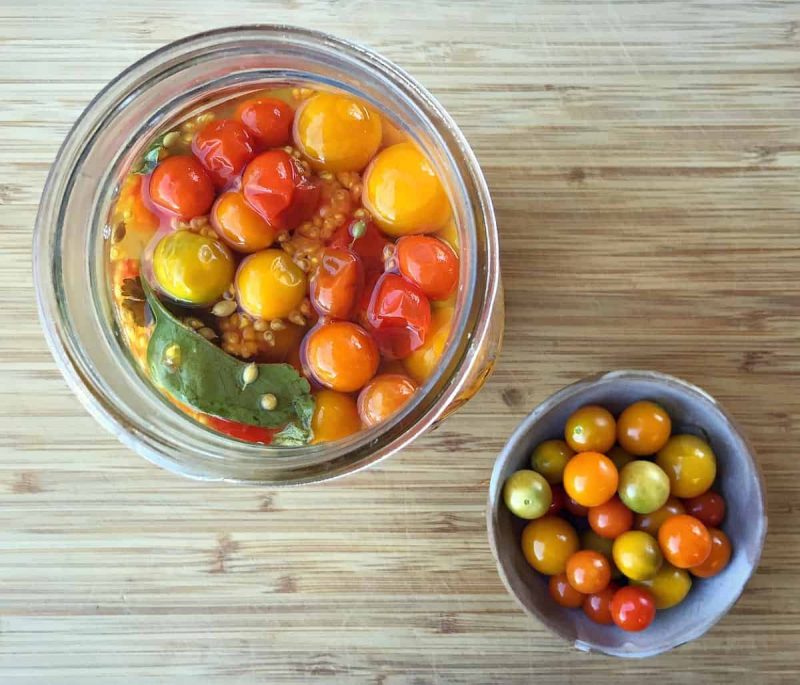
(622, 515)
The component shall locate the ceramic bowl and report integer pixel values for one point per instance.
(738, 480)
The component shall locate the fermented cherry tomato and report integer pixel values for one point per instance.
(550, 458)
(591, 429)
(274, 186)
(590, 478)
(238, 224)
(717, 559)
(422, 362)
(684, 540)
(286, 345)
(335, 416)
(270, 285)
(597, 606)
(708, 508)
(633, 608)
(559, 499)
(610, 519)
(131, 209)
(336, 286)
(637, 555)
(588, 571)
(643, 428)
(430, 263)
(384, 396)
(363, 238)
(650, 523)
(643, 486)
(690, 464)
(563, 593)
(340, 355)
(224, 147)
(547, 543)
(574, 508)
(269, 120)
(669, 586)
(181, 186)
(399, 316)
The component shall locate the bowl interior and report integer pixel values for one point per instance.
(738, 480)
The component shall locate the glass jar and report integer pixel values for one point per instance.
(70, 250)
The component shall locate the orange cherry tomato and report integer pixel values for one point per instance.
(708, 508)
(684, 541)
(430, 263)
(180, 185)
(238, 224)
(610, 519)
(336, 286)
(240, 431)
(591, 429)
(547, 543)
(383, 396)
(633, 608)
(588, 571)
(224, 147)
(399, 316)
(590, 478)
(563, 593)
(643, 428)
(597, 606)
(335, 416)
(340, 355)
(275, 187)
(718, 557)
(131, 208)
(650, 523)
(363, 238)
(269, 120)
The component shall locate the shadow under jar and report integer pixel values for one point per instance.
(71, 245)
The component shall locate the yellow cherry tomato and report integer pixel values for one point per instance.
(527, 494)
(239, 225)
(192, 268)
(270, 284)
(637, 555)
(337, 132)
(548, 543)
(689, 463)
(403, 192)
(335, 416)
(550, 457)
(422, 362)
(669, 586)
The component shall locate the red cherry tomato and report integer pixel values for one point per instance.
(399, 315)
(241, 431)
(336, 286)
(275, 188)
(708, 508)
(181, 186)
(429, 263)
(224, 147)
(369, 247)
(370, 281)
(574, 508)
(268, 119)
(611, 519)
(563, 593)
(597, 606)
(633, 608)
(559, 500)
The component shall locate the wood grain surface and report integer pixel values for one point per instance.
(643, 159)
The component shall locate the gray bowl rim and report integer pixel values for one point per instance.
(692, 633)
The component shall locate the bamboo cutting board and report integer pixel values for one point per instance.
(643, 159)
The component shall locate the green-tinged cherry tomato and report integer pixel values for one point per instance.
(637, 555)
(708, 508)
(650, 523)
(548, 543)
(633, 608)
(269, 120)
(591, 429)
(336, 284)
(597, 606)
(717, 559)
(684, 541)
(588, 571)
(224, 147)
(181, 186)
(559, 499)
(550, 457)
(590, 478)
(690, 464)
(563, 593)
(192, 268)
(643, 486)
(669, 586)
(643, 428)
(384, 396)
(619, 456)
(429, 263)
(527, 494)
(610, 519)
